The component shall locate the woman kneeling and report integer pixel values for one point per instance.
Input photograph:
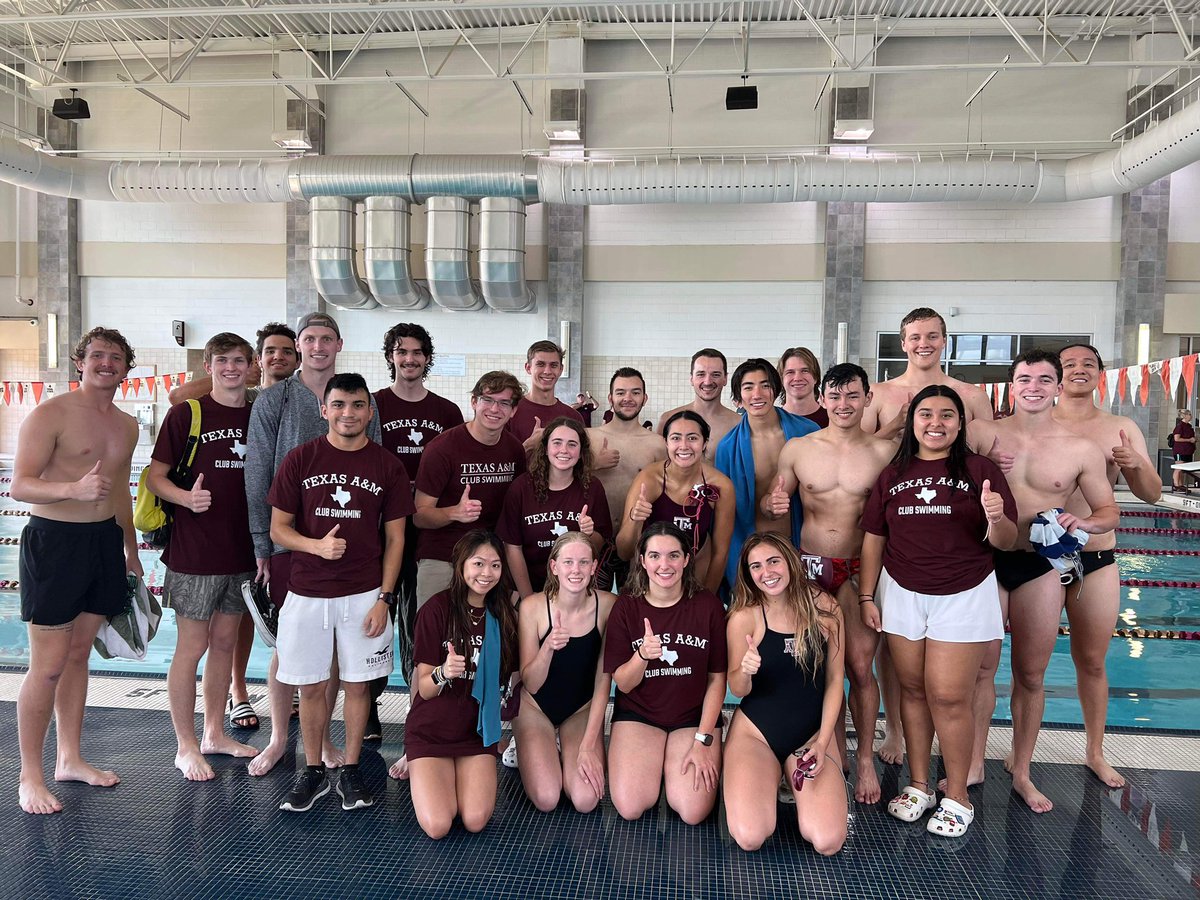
(666, 651)
(787, 665)
(465, 647)
(566, 690)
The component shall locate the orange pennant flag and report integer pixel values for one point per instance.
(166, 379)
(73, 385)
(1144, 387)
(1165, 374)
(1189, 373)
(7, 393)
(124, 388)
(1123, 384)
(137, 386)
(38, 388)
(1102, 389)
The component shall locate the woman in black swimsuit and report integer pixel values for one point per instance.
(786, 663)
(680, 490)
(561, 631)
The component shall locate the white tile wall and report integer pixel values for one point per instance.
(929, 223)
(669, 224)
(1184, 223)
(15, 365)
(740, 319)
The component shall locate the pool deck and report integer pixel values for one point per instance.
(157, 835)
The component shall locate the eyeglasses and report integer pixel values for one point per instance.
(487, 402)
(804, 767)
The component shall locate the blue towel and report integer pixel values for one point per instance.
(486, 689)
(735, 457)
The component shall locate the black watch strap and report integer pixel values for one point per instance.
(389, 598)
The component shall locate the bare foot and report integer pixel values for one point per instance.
(227, 746)
(333, 756)
(1106, 773)
(866, 786)
(36, 798)
(974, 777)
(85, 772)
(891, 751)
(399, 769)
(194, 766)
(1008, 763)
(266, 759)
(1034, 799)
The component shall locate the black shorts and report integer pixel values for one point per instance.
(628, 715)
(68, 568)
(1094, 560)
(1017, 567)
(1183, 457)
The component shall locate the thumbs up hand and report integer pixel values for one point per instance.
(466, 510)
(752, 661)
(606, 457)
(455, 665)
(651, 646)
(558, 636)
(993, 503)
(586, 524)
(331, 546)
(199, 500)
(777, 504)
(1125, 456)
(641, 506)
(93, 485)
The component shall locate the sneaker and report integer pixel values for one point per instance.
(262, 611)
(309, 787)
(785, 794)
(374, 729)
(351, 789)
(510, 754)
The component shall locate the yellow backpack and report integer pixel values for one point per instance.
(152, 515)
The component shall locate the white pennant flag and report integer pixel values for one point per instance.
(1135, 382)
(1175, 376)
(1110, 382)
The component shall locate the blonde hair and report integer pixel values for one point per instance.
(571, 537)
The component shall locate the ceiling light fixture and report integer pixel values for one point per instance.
(292, 140)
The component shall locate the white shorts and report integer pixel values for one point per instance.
(305, 641)
(969, 616)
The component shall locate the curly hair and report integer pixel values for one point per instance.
(109, 336)
(539, 465)
(391, 340)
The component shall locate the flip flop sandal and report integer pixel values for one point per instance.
(911, 804)
(951, 819)
(242, 716)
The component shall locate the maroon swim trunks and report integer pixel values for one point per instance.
(828, 572)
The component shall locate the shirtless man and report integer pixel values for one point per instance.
(749, 454)
(72, 467)
(620, 449)
(833, 471)
(1093, 613)
(801, 374)
(1050, 464)
(708, 380)
(923, 336)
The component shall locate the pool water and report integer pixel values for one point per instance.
(1152, 681)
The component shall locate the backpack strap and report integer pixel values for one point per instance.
(183, 469)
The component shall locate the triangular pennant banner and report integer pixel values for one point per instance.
(1111, 377)
(1176, 374)
(1144, 386)
(73, 385)
(7, 393)
(1102, 388)
(990, 390)
(1122, 383)
(124, 388)
(20, 392)
(166, 379)
(38, 388)
(1164, 374)
(1189, 374)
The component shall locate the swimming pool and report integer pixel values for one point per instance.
(1152, 681)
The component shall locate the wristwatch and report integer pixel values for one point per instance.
(705, 739)
(389, 598)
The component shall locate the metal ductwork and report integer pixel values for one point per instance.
(1170, 145)
(331, 254)
(502, 255)
(448, 225)
(388, 255)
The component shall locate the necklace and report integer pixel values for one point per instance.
(475, 620)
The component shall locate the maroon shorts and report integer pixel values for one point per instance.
(828, 572)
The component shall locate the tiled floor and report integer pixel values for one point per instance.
(156, 835)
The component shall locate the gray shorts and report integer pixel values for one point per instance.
(199, 596)
(433, 575)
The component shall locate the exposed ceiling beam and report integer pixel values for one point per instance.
(159, 100)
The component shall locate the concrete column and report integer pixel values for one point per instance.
(845, 238)
(58, 289)
(300, 293)
(564, 288)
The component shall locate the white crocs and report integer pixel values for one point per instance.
(951, 819)
(911, 804)
(509, 758)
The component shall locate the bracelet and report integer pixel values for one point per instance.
(865, 598)
(639, 653)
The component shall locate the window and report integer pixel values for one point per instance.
(974, 358)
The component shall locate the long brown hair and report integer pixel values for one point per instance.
(638, 581)
(539, 465)
(496, 601)
(800, 598)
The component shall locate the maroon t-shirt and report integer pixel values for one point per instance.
(820, 415)
(446, 725)
(407, 427)
(453, 461)
(323, 486)
(535, 526)
(217, 541)
(693, 636)
(520, 425)
(936, 538)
